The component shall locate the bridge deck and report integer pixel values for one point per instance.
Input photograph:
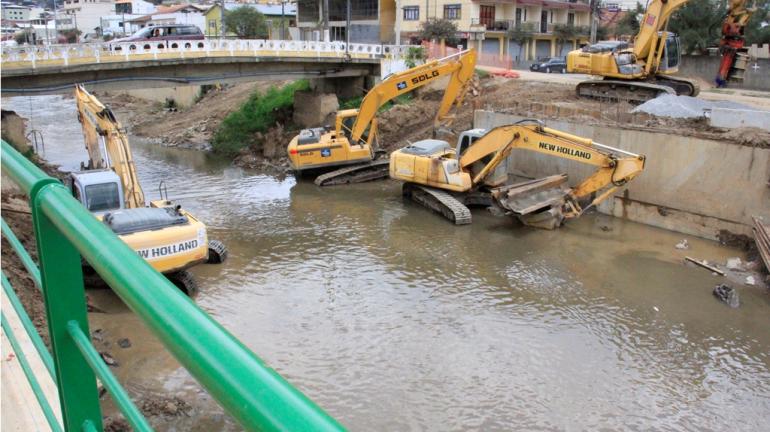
(21, 410)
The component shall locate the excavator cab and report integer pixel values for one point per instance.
(99, 191)
(669, 62)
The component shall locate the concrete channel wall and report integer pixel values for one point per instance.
(690, 185)
(756, 77)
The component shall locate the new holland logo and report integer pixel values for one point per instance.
(401, 85)
(565, 150)
(168, 250)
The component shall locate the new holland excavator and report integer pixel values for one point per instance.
(646, 71)
(447, 180)
(168, 237)
(352, 144)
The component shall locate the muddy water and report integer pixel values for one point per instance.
(392, 319)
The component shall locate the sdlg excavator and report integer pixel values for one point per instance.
(167, 236)
(352, 143)
(447, 180)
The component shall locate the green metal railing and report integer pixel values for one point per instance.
(255, 395)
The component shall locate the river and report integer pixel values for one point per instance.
(391, 318)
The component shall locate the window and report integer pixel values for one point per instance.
(102, 197)
(487, 16)
(452, 12)
(411, 13)
(571, 19)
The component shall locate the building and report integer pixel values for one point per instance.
(86, 15)
(484, 24)
(622, 4)
(275, 14)
(12, 12)
(177, 14)
(371, 21)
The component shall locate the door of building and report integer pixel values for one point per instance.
(487, 16)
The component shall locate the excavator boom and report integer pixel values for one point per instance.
(107, 145)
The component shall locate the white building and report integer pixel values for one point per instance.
(622, 4)
(12, 12)
(177, 14)
(86, 15)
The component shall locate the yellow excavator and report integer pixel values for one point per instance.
(640, 73)
(168, 237)
(352, 143)
(447, 180)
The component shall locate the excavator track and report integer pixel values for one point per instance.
(374, 170)
(439, 202)
(682, 86)
(635, 91)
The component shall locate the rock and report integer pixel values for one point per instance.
(727, 294)
(734, 264)
(124, 343)
(97, 335)
(750, 280)
(170, 408)
(683, 245)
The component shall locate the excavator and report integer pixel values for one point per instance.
(352, 144)
(646, 71)
(734, 55)
(447, 180)
(168, 237)
(640, 73)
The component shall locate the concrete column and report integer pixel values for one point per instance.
(553, 47)
(344, 88)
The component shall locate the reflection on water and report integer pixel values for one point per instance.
(393, 319)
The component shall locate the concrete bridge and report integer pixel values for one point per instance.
(105, 66)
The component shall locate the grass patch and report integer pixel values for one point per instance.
(258, 114)
(481, 73)
(404, 99)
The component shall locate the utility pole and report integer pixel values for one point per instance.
(283, 5)
(347, 28)
(55, 22)
(399, 17)
(326, 21)
(222, 19)
(594, 19)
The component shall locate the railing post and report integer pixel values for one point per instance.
(64, 295)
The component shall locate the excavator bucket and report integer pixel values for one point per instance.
(536, 203)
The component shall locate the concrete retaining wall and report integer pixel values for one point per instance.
(706, 67)
(689, 185)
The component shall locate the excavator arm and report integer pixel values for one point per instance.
(107, 145)
(647, 42)
(615, 167)
(459, 67)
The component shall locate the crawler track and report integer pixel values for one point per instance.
(438, 201)
(374, 170)
(637, 91)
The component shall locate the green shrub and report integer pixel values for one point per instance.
(482, 73)
(356, 102)
(258, 114)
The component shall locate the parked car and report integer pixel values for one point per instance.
(553, 64)
(164, 32)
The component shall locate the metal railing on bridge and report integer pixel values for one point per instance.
(34, 56)
(255, 395)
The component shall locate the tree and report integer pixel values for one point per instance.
(567, 32)
(438, 29)
(755, 33)
(414, 55)
(628, 25)
(23, 37)
(699, 25)
(522, 34)
(70, 36)
(246, 22)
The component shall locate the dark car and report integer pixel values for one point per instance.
(164, 32)
(554, 64)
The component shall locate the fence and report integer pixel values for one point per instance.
(55, 55)
(255, 395)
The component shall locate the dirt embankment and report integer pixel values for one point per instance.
(404, 123)
(191, 127)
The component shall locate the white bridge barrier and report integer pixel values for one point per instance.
(33, 56)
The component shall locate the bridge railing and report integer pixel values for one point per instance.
(255, 395)
(66, 54)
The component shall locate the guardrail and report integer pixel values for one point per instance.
(33, 56)
(255, 395)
